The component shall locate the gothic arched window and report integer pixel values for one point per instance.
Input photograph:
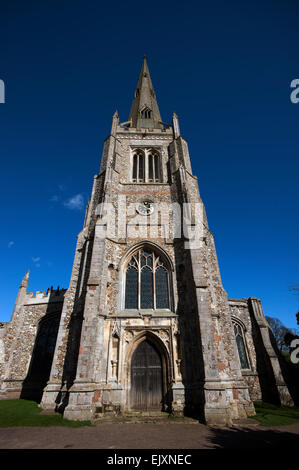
(138, 174)
(146, 166)
(241, 344)
(153, 167)
(147, 281)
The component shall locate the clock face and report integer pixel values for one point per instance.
(145, 208)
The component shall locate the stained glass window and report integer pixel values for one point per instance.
(162, 297)
(147, 282)
(131, 288)
(239, 335)
(146, 288)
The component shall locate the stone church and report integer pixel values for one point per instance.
(145, 324)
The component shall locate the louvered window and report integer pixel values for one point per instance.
(138, 173)
(146, 166)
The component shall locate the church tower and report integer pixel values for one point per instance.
(146, 324)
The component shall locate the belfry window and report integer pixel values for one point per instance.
(146, 113)
(138, 167)
(153, 167)
(241, 344)
(146, 166)
(147, 281)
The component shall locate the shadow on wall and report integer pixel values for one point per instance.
(45, 342)
(190, 348)
(290, 372)
(190, 351)
(264, 367)
(43, 352)
(74, 328)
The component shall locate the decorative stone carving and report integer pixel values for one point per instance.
(128, 336)
(175, 326)
(164, 336)
(116, 329)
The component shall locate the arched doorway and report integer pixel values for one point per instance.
(146, 378)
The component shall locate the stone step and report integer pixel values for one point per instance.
(146, 413)
(245, 422)
(143, 417)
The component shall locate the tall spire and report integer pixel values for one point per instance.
(145, 111)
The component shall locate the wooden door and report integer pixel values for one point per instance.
(146, 378)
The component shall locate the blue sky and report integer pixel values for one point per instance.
(224, 67)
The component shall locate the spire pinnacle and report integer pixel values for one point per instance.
(25, 280)
(145, 111)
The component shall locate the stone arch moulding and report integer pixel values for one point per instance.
(143, 244)
(236, 319)
(167, 368)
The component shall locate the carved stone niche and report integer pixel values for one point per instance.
(116, 329)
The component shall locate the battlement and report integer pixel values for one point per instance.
(133, 130)
(43, 297)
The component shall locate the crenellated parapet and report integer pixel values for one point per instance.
(43, 297)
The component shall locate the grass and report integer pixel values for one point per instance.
(271, 415)
(27, 413)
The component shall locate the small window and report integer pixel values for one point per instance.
(146, 113)
(138, 170)
(241, 345)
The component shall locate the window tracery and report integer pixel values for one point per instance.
(147, 281)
